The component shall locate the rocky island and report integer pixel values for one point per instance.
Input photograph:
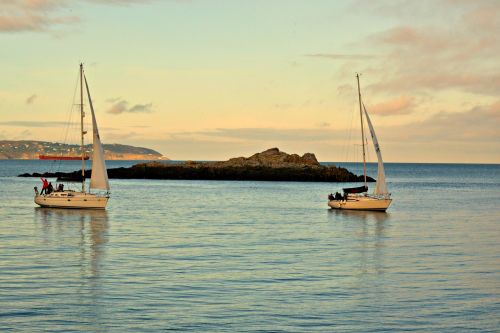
(30, 150)
(271, 164)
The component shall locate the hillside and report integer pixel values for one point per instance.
(28, 150)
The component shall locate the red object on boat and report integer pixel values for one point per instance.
(64, 158)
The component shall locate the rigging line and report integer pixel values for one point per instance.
(71, 110)
(69, 120)
(347, 141)
(368, 157)
(353, 114)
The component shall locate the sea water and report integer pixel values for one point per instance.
(249, 256)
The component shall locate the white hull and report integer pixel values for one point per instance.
(361, 203)
(70, 199)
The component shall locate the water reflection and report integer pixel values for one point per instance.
(87, 228)
(369, 229)
(80, 238)
(360, 215)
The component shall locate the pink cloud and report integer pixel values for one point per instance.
(43, 15)
(398, 106)
(32, 15)
(455, 46)
(482, 83)
(477, 124)
(400, 35)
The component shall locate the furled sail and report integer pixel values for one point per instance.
(360, 189)
(99, 178)
(381, 186)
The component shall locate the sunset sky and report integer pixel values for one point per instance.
(209, 80)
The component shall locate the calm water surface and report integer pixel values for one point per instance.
(221, 256)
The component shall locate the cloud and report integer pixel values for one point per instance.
(31, 99)
(21, 123)
(408, 36)
(113, 99)
(477, 124)
(461, 55)
(33, 15)
(480, 83)
(263, 135)
(45, 15)
(121, 106)
(118, 107)
(453, 46)
(342, 56)
(398, 106)
(345, 90)
(140, 108)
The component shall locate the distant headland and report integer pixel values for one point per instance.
(30, 150)
(272, 165)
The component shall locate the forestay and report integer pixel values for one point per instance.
(99, 178)
(381, 186)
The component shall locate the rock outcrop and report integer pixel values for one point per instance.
(272, 158)
(272, 164)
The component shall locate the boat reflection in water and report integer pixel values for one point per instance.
(75, 246)
(86, 230)
(367, 232)
(361, 215)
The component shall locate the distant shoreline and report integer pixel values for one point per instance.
(90, 159)
(31, 149)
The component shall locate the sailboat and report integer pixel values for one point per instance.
(357, 198)
(99, 179)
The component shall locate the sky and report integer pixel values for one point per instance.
(210, 79)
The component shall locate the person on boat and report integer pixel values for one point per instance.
(60, 188)
(331, 197)
(338, 196)
(45, 184)
(50, 188)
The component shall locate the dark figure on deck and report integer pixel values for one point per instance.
(331, 197)
(50, 188)
(338, 196)
(60, 188)
(45, 184)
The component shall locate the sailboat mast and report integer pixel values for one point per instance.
(81, 127)
(362, 129)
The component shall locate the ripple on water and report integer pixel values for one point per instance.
(255, 256)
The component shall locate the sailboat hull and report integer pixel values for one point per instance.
(70, 199)
(361, 203)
